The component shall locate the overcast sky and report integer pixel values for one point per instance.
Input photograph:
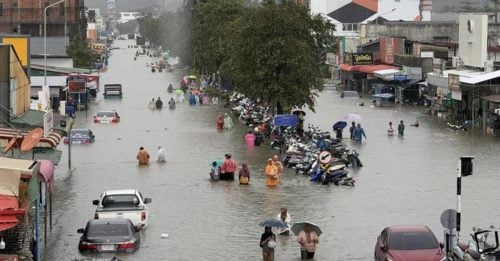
(127, 5)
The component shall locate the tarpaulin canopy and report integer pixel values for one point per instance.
(9, 182)
(46, 173)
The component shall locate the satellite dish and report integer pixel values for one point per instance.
(11, 144)
(31, 139)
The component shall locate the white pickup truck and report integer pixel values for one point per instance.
(123, 204)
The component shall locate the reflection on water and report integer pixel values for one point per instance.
(405, 180)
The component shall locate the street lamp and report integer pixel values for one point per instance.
(45, 40)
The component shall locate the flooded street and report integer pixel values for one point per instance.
(408, 180)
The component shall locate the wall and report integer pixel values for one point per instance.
(416, 31)
(55, 62)
(22, 102)
(473, 36)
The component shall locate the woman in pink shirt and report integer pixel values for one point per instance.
(308, 239)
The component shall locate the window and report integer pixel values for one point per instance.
(1, 9)
(61, 10)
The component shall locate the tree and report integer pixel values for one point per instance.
(276, 54)
(211, 33)
(83, 56)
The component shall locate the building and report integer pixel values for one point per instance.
(128, 16)
(14, 83)
(347, 15)
(27, 17)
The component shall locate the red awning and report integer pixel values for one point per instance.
(8, 222)
(378, 67)
(366, 68)
(347, 67)
(8, 212)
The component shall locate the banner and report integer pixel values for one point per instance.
(285, 120)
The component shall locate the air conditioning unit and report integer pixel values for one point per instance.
(497, 111)
(488, 66)
(454, 61)
(498, 42)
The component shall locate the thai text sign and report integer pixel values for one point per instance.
(359, 58)
(454, 82)
(76, 86)
(285, 120)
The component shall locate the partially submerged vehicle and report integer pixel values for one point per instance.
(112, 90)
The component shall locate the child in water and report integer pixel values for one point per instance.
(390, 130)
(214, 172)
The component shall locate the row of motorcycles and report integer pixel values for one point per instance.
(299, 148)
(483, 246)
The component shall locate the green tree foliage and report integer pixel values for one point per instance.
(128, 27)
(211, 33)
(276, 54)
(149, 27)
(83, 56)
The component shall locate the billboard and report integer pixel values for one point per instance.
(21, 46)
(77, 86)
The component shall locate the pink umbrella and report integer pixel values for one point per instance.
(46, 172)
(352, 117)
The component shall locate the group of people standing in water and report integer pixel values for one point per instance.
(226, 170)
(307, 238)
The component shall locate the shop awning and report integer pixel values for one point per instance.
(492, 98)
(385, 72)
(346, 67)
(480, 78)
(378, 67)
(367, 68)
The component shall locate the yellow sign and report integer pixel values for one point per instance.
(20, 44)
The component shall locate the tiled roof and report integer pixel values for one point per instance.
(351, 13)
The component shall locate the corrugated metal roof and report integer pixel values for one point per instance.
(51, 80)
(480, 78)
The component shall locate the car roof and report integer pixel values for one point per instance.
(80, 129)
(102, 221)
(120, 192)
(408, 228)
(107, 111)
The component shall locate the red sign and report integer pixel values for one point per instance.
(77, 86)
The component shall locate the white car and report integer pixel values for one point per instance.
(126, 203)
(107, 117)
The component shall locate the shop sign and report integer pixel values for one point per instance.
(454, 82)
(77, 86)
(359, 58)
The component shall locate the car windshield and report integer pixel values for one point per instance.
(107, 230)
(412, 240)
(106, 114)
(120, 201)
(80, 132)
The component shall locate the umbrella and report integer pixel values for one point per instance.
(299, 226)
(192, 77)
(273, 223)
(179, 91)
(339, 125)
(352, 117)
(299, 112)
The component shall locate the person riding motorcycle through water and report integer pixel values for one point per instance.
(170, 88)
